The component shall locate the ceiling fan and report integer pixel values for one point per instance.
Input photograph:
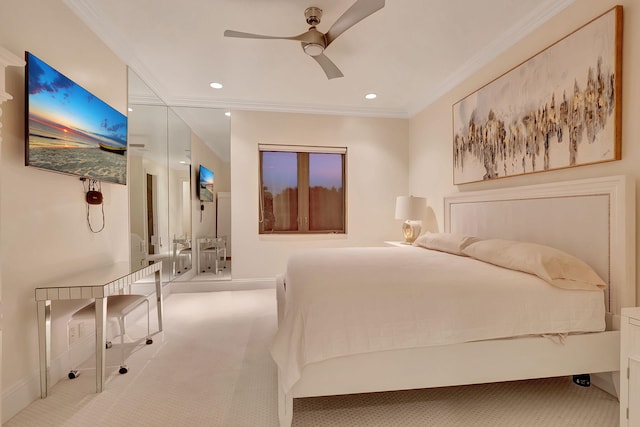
(313, 41)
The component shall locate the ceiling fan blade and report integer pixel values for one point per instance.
(304, 37)
(356, 13)
(329, 67)
(239, 34)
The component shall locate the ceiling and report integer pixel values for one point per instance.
(409, 53)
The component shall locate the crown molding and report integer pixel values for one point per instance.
(144, 100)
(92, 17)
(518, 31)
(105, 30)
(234, 104)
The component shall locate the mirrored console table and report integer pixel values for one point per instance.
(97, 283)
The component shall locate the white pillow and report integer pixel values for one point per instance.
(551, 265)
(453, 243)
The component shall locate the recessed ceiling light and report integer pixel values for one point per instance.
(228, 113)
(371, 96)
(215, 85)
(130, 109)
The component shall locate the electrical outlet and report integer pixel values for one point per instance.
(82, 330)
(73, 333)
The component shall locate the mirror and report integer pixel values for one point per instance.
(159, 182)
(211, 148)
(179, 163)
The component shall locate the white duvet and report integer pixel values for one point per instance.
(344, 301)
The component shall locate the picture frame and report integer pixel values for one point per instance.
(561, 108)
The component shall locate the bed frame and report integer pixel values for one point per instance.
(593, 219)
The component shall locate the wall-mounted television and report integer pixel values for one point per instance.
(205, 184)
(69, 130)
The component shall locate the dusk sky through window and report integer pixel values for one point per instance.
(280, 170)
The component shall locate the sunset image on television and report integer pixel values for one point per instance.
(206, 184)
(70, 130)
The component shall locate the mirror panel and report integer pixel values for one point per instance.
(166, 144)
(179, 161)
(159, 215)
(212, 126)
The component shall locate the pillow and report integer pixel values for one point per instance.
(453, 243)
(551, 265)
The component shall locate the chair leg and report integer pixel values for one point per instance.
(149, 339)
(123, 367)
(73, 373)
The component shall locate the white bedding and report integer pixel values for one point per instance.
(356, 300)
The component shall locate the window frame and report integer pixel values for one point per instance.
(302, 152)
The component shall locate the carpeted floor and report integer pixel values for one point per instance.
(211, 367)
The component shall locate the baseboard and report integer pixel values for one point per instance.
(186, 276)
(222, 285)
(23, 393)
(26, 391)
(19, 396)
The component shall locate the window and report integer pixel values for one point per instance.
(302, 189)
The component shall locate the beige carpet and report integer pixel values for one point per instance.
(211, 367)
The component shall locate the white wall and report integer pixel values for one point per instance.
(44, 232)
(431, 131)
(377, 164)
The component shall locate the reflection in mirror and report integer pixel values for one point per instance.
(211, 148)
(179, 161)
(166, 144)
(159, 179)
(212, 125)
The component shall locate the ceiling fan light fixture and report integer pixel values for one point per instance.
(313, 41)
(313, 49)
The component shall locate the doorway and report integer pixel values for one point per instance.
(152, 203)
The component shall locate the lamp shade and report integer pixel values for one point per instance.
(411, 208)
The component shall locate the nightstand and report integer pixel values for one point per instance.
(630, 367)
(398, 244)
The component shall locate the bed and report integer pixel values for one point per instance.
(373, 346)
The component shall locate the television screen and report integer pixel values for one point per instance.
(205, 187)
(69, 130)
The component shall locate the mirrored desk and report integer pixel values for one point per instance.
(97, 283)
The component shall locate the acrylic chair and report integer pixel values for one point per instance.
(183, 254)
(213, 249)
(184, 260)
(118, 307)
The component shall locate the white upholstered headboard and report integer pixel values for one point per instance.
(592, 219)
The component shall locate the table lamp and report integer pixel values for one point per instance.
(412, 210)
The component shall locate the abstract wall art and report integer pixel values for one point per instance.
(561, 108)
